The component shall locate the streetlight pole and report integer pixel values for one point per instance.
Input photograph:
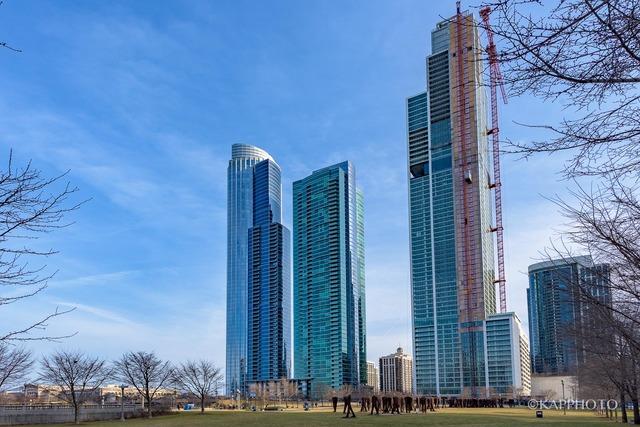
(122, 387)
(564, 402)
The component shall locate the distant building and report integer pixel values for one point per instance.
(329, 291)
(12, 396)
(508, 363)
(113, 393)
(556, 315)
(283, 389)
(42, 393)
(550, 387)
(53, 394)
(373, 377)
(396, 372)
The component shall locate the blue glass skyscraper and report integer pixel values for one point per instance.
(269, 291)
(556, 314)
(329, 291)
(253, 205)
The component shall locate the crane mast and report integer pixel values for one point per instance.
(495, 81)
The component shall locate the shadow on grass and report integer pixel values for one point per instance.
(320, 418)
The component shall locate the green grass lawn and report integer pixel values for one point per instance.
(318, 417)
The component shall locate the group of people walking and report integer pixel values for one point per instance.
(386, 404)
(396, 404)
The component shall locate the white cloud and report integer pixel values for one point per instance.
(98, 312)
(94, 279)
(123, 175)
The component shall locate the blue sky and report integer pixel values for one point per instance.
(142, 101)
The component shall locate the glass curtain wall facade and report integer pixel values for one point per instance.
(362, 304)
(241, 199)
(452, 259)
(556, 315)
(329, 291)
(508, 363)
(269, 281)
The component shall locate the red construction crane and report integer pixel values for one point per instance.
(465, 195)
(495, 81)
(462, 126)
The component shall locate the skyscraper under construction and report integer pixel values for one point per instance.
(450, 209)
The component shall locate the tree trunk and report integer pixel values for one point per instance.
(636, 411)
(149, 414)
(623, 408)
(75, 404)
(202, 404)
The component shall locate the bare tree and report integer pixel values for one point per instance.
(260, 391)
(288, 389)
(320, 391)
(146, 373)
(30, 205)
(201, 379)
(605, 223)
(293, 392)
(15, 364)
(77, 375)
(272, 392)
(584, 54)
(610, 368)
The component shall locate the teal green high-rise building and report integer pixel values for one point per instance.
(328, 270)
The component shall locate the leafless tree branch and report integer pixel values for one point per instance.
(201, 379)
(30, 205)
(585, 55)
(145, 372)
(76, 375)
(15, 363)
(604, 222)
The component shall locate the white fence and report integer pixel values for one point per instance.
(43, 414)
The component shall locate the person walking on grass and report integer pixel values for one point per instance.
(375, 404)
(395, 408)
(408, 404)
(347, 407)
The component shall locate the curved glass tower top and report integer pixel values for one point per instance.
(240, 201)
(248, 152)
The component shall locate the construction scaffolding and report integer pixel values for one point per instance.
(495, 81)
